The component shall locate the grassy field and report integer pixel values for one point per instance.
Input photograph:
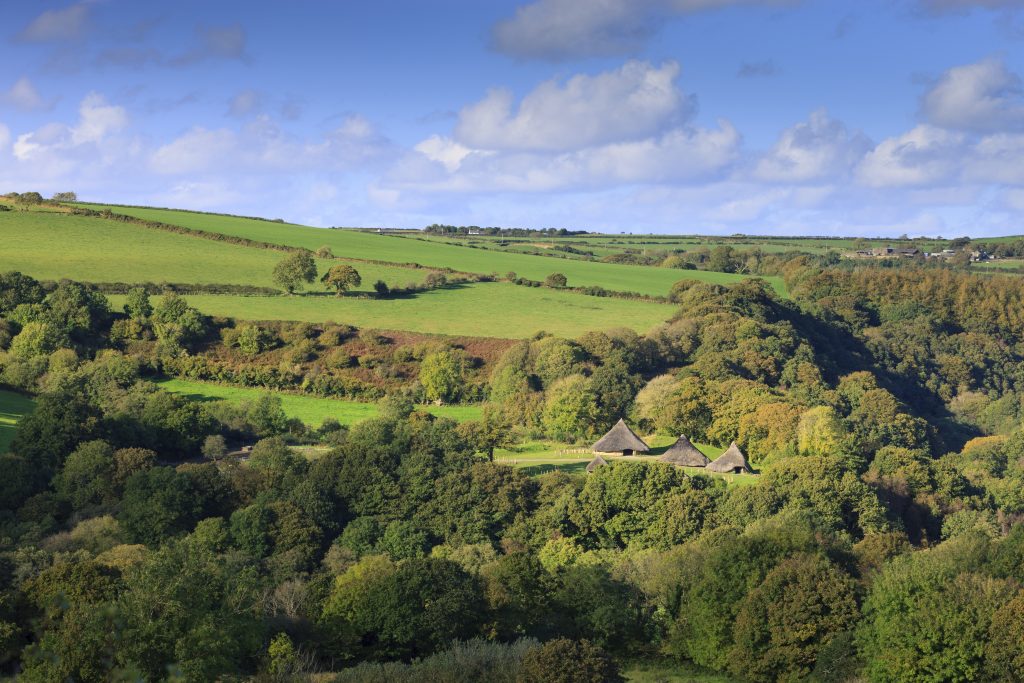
(602, 245)
(51, 246)
(12, 407)
(538, 457)
(358, 244)
(482, 310)
(1001, 264)
(310, 409)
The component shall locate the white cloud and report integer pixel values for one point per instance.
(679, 155)
(23, 95)
(97, 121)
(261, 146)
(984, 96)
(5, 137)
(629, 103)
(816, 149)
(565, 29)
(996, 159)
(57, 25)
(198, 149)
(922, 156)
(443, 150)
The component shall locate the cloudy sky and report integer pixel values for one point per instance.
(867, 117)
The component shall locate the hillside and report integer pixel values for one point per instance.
(53, 245)
(404, 249)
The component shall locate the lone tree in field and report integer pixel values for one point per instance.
(294, 269)
(342, 278)
(65, 197)
(556, 281)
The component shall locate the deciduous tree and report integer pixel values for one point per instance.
(341, 278)
(294, 270)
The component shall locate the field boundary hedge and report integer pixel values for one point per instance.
(245, 241)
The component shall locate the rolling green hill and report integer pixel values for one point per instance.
(398, 249)
(49, 245)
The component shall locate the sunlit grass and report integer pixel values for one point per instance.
(493, 309)
(438, 254)
(12, 408)
(312, 410)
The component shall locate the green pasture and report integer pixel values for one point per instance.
(52, 246)
(12, 407)
(312, 410)
(602, 245)
(1001, 264)
(494, 309)
(538, 457)
(409, 249)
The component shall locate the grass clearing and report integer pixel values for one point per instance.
(538, 457)
(51, 246)
(1001, 264)
(12, 408)
(398, 249)
(495, 309)
(312, 410)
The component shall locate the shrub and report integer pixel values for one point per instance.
(556, 281)
(569, 661)
(467, 662)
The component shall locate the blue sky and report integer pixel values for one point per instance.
(874, 117)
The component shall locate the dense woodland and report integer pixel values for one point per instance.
(881, 541)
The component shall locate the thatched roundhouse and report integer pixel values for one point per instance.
(732, 460)
(598, 461)
(684, 454)
(622, 440)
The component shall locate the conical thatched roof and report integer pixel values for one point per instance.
(684, 454)
(730, 460)
(620, 438)
(598, 461)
